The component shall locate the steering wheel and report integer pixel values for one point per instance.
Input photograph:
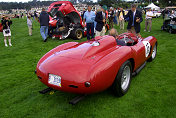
(126, 38)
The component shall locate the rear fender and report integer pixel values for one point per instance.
(57, 49)
(103, 73)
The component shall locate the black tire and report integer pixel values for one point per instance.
(117, 85)
(77, 34)
(170, 30)
(153, 56)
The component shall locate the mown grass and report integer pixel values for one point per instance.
(152, 93)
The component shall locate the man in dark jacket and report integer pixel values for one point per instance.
(134, 19)
(101, 21)
(44, 23)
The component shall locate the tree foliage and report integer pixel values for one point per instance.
(109, 3)
(122, 3)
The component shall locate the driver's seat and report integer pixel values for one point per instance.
(121, 42)
(132, 39)
(133, 36)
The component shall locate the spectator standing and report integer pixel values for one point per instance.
(29, 23)
(115, 16)
(6, 30)
(101, 21)
(148, 20)
(2, 19)
(44, 23)
(165, 13)
(35, 15)
(134, 19)
(97, 10)
(89, 18)
(111, 17)
(121, 18)
(22, 16)
(83, 12)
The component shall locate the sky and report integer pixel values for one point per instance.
(24, 0)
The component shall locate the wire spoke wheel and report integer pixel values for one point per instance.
(79, 34)
(154, 52)
(125, 79)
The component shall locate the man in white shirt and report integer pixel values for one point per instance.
(148, 20)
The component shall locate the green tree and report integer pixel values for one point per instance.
(109, 3)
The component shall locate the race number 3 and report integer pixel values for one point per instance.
(147, 48)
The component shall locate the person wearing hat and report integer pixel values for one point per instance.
(101, 21)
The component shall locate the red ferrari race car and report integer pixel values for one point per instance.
(66, 21)
(95, 65)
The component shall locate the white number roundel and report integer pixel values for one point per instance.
(147, 48)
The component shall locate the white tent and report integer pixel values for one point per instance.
(153, 6)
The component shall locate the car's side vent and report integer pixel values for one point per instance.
(73, 86)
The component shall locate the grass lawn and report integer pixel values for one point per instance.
(152, 93)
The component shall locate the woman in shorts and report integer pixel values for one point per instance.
(6, 30)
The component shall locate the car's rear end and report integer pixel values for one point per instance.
(72, 69)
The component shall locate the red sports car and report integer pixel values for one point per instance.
(95, 65)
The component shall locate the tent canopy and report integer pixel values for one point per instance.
(153, 6)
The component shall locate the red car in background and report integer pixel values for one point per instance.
(65, 21)
(95, 65)
(1, 27)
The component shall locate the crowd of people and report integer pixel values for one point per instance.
(133, 17)
(95, 21)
